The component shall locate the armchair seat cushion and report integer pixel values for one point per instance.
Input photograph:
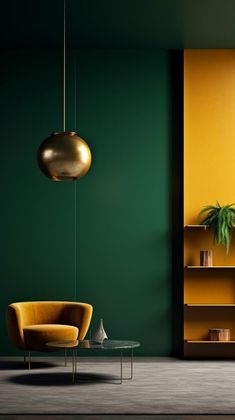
(36, 336)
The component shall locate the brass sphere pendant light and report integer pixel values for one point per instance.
(64, 155)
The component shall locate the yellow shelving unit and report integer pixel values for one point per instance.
(209, 297)
(208, 176)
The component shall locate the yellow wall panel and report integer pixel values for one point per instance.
(209, 129)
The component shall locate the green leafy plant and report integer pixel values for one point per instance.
(221, 220)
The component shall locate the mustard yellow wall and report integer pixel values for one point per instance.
(209, 129)
(209, 175)
(209, 142)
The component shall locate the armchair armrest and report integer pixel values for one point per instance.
(79, 315)
(14, 318)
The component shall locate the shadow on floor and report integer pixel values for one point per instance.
(61, 379)
(8, 365)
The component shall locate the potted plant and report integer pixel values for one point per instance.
(221, 220)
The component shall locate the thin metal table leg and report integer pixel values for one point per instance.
(73, 366)
(121, 368)
(74, 362)
(24, 359)
(132, 367)
(131, 364)
(65, 358)
(29, 355)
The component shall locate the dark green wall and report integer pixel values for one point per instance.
(123, 210)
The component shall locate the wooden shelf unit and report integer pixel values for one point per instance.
(209, 296)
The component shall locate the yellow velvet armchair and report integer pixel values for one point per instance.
(32, 324)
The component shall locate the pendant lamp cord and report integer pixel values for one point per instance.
(64, 83)
(75, 91)
(75, 183)
(64, 124)
(75, 241)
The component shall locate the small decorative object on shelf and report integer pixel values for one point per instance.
(100, 334)
(219, 334)
(206, 258)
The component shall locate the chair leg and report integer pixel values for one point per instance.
(65, 358)
(24, 359)
(29, 355)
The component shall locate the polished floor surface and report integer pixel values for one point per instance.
(160, 386)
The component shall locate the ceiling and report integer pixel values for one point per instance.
(118, 23)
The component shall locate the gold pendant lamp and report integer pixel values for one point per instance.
(64, 155)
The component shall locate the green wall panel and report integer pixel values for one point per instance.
(123, 235)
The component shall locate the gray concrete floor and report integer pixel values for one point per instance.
(162, 389)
